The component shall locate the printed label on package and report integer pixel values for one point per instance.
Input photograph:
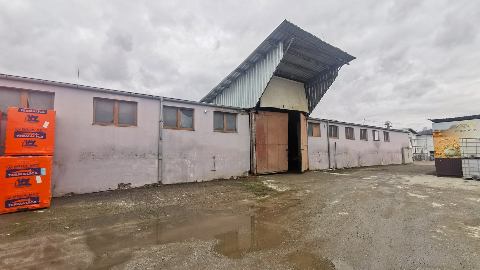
(23, 172)
(29, 143)
(22, 182)
(29, 134)
(27, 110)
(31, 118)
(22, 201)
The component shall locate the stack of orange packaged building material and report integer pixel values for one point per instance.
(26, 168)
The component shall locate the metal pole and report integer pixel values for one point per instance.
(328, 147)
(160, 165)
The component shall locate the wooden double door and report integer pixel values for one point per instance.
(274, 147)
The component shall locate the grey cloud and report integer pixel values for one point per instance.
(415, 59)
(456, 31)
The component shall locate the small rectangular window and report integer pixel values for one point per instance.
(127, 113)
(386, 136)
(108, 112)
(178, 118)
(26, 99)
(363, 134)
(313, 129)
(376, 135)
(231, 122)
(349, 133)
(170, 117)
(333, 131)
(224, 122)
(9, 98)
(186, 118)
(40, 100)
(104, 111)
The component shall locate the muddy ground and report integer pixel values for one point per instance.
(391, 217)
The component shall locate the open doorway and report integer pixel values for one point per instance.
(280, 142)
(294, 154)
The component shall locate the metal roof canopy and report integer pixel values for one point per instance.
(306, 59)
(453, 119)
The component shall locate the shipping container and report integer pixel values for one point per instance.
(30, 132)
(25, 183)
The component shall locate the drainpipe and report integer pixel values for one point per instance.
(328, 148)
(160, 165)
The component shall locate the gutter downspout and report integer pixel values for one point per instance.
(160, 164)
(328, 147)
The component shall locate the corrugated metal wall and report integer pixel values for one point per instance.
(248, 87)
(318, 87)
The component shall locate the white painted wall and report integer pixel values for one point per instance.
(284, 94)
(204, 154)
(91, 158)
(353, 153)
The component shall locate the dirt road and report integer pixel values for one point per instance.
(392, 217)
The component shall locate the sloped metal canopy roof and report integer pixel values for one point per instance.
(453, 119)
(306, 59)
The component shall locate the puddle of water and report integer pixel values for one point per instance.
(235, 236)
(306, 260)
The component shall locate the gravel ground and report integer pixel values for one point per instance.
(390, 217)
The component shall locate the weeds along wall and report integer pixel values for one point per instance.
(346, 153)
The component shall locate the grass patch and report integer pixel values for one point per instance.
(258, 188)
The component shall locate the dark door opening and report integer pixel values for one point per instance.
(294, 153)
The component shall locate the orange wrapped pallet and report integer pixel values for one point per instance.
(30, 132)
(25, 183)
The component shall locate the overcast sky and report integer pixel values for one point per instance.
(415, 59)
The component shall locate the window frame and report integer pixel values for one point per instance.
(366, 134)
(116, 105)
(386, 138)
(337, 129)
(24, 97)
(313, 124)
(178, 119)
(353, 133)
(373, 135)
(224, 114)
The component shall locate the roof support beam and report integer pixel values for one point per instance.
(306, 58)
(308, 70)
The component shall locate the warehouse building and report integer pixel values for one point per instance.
(333, 144)
(254, 121)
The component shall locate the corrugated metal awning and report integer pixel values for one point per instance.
(306, 59)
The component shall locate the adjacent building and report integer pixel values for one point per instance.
(456, 139)
(422, 145)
